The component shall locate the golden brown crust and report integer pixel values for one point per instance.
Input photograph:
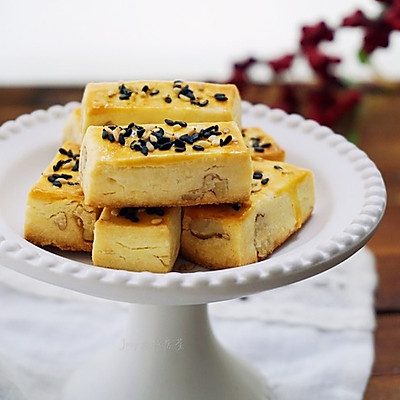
(232, 235)
(56, 214)
(187, 165)
(261, 145)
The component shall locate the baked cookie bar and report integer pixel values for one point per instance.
(226, 236)
(147, 102)
(137, 239)
(56, 214)
(261, 145)
(172, 164)
(73, 127)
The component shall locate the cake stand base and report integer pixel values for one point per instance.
(168, 353)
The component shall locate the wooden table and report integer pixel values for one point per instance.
(379, 127)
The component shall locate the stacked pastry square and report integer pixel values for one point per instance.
(148, 169)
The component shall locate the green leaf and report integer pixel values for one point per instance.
(353, 137)
(363, 57)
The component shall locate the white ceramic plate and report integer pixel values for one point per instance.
(350, 192)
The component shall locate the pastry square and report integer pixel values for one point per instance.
(168, 165)
(147, 102)
(72, 131)
(232, 235)
(261, 145)
(137, 239)
(56, 214)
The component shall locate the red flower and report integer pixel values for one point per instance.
(319, 61)
(392, 16)
(239, 75)
(326, 107)
(358, 18)
(313, 35)
(281, 64)
(376, 35)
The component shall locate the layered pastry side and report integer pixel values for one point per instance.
(147, 102)
(73, 127)
(56, 214)
(261, 145)
(137, 239)
(166, 165)
(231, 235)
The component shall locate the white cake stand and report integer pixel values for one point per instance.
(168, 350)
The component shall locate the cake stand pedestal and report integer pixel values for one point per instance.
(169, 353)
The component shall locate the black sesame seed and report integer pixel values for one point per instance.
(121, 139)
(179, 143)
(187, 138)
(51, 178)
(76, 166)
(65, 176)
(125, 93)
(169, 122)
(159, 133)
(186, 91)
(236, 206)
(129, 213)
(264, 181)
(154, 92)
(220, 97)
(180, 149)
(212, 128)
(144, 150)
(165, 146)
(163, 140)
(278, 167)
(257, 175)
(73, 183)
(136, 146)
(60, 163)
(128, 132)
(155, 210)
(197, 147)
(145, 88)
(104, 135)
(266, 145)
(168, 99)
(65, 152)
(57, 183)
(140, 131)
(259, 149)
(227, 140)
(131, 125)
(202, 103)
(195, 136)
(111, 137)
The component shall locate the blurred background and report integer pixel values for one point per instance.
(54, 42)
